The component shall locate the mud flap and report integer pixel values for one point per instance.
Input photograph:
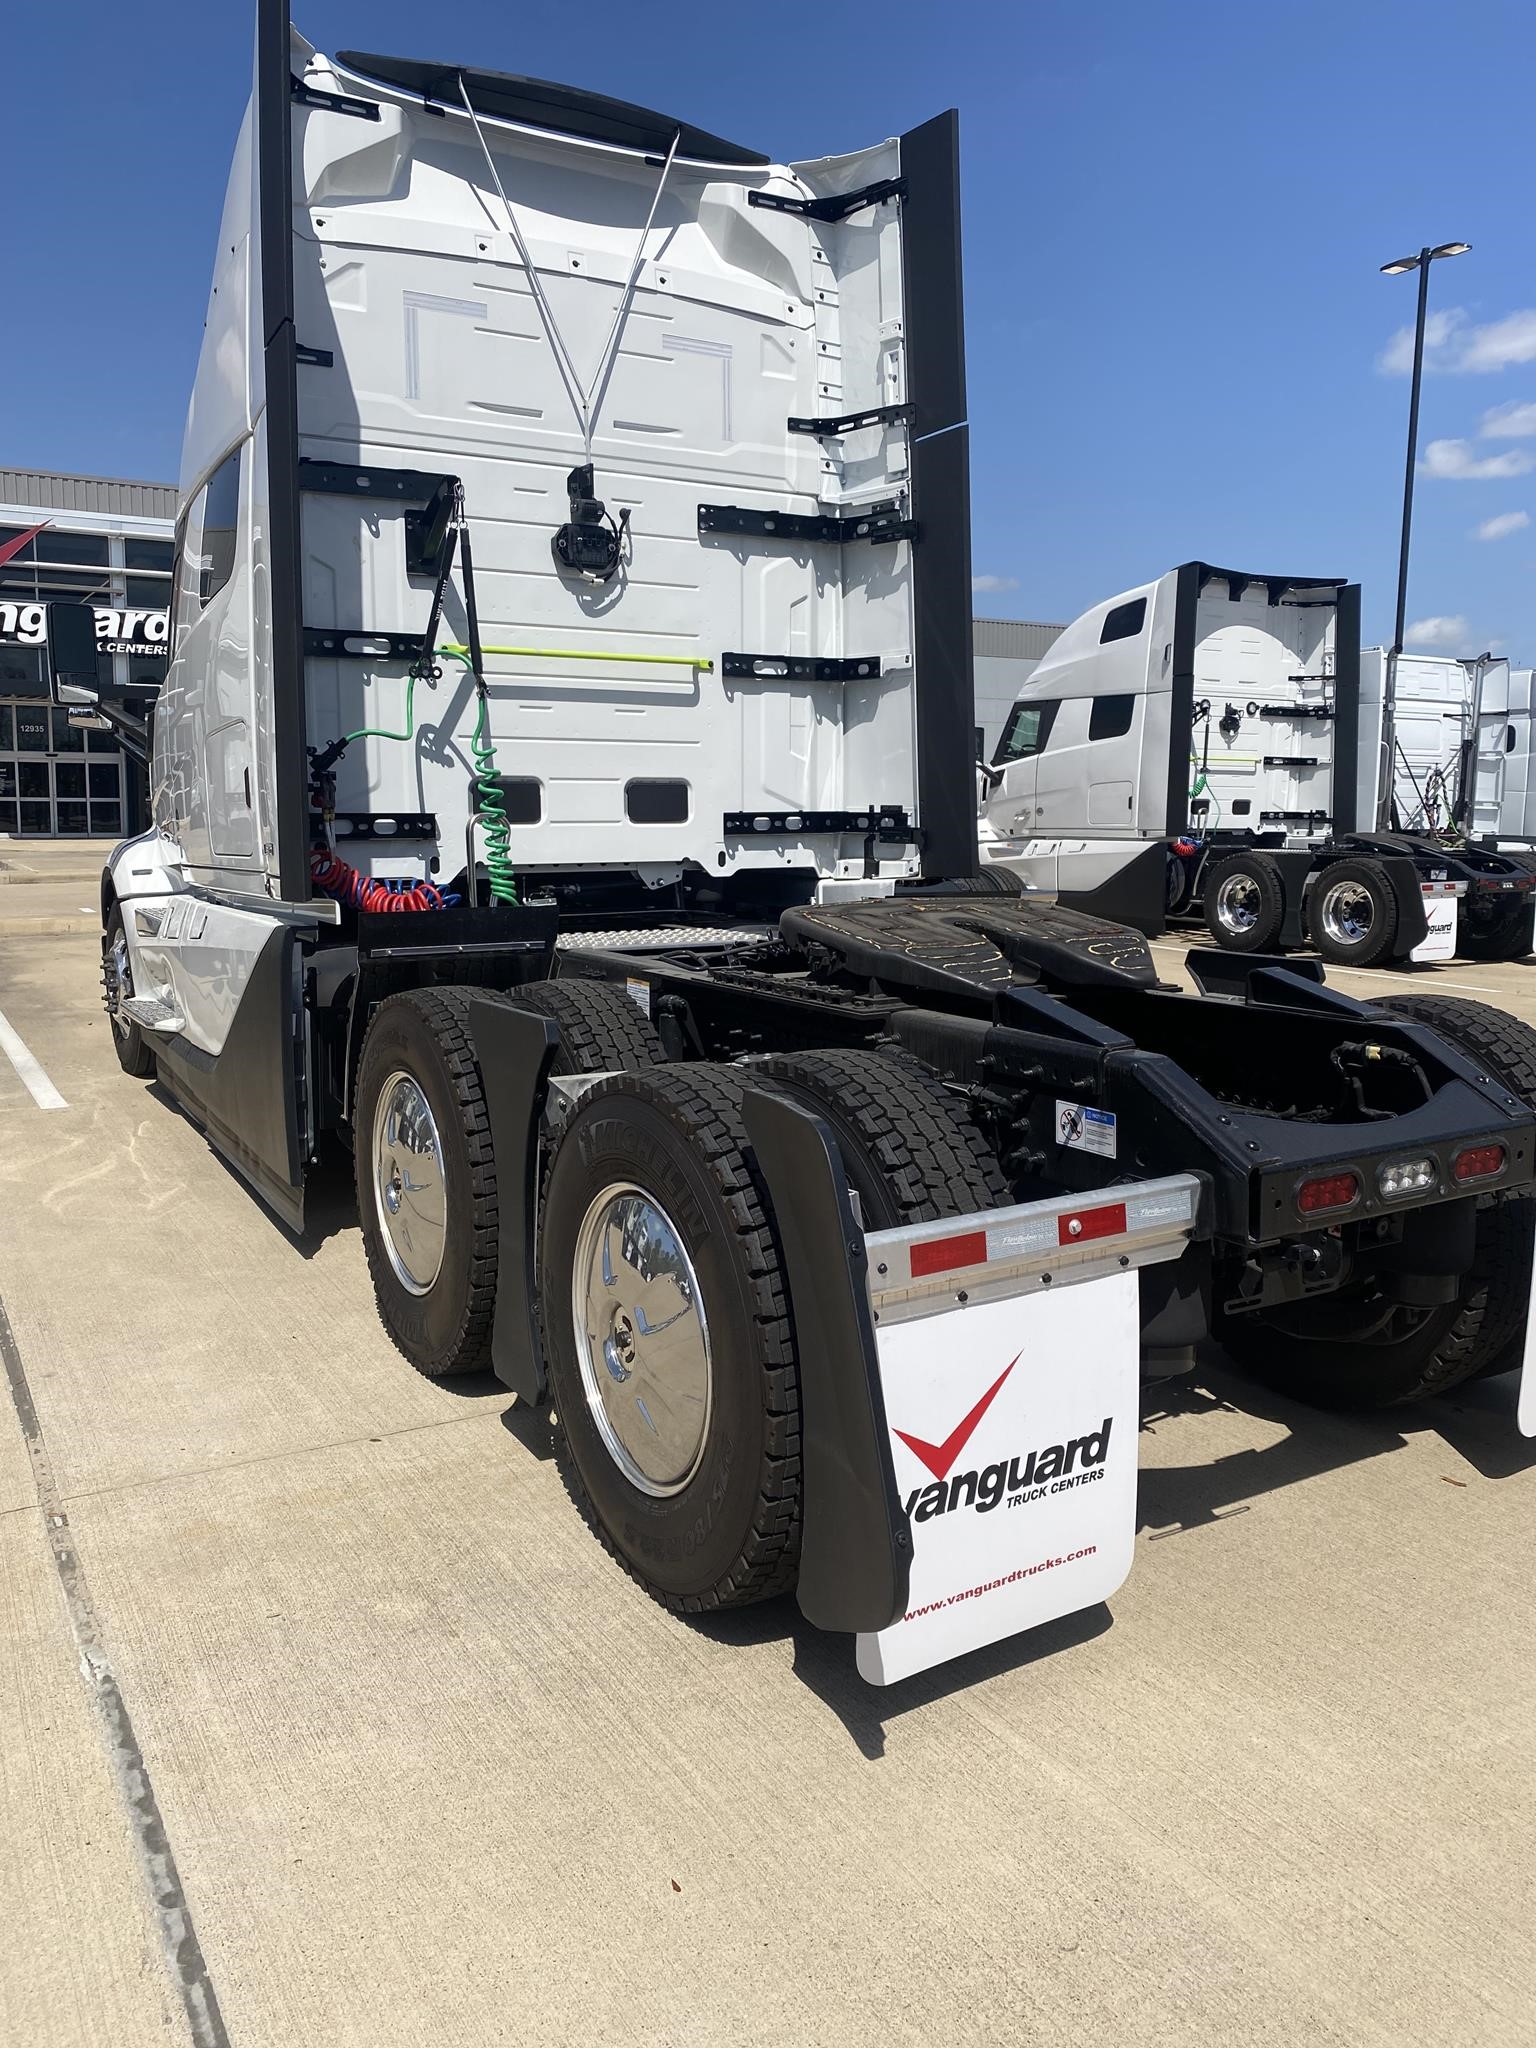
(1525, 1411)
(969, 1401)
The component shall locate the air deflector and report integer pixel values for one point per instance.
(563, 109)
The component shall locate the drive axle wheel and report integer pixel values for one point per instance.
(1494, 927)
(426, 1180)
(1352, 914)
(1244, 901)
(135, 1055)
(601, 1030)
(665, 1325)
(1361, 1350)
(911, 1152)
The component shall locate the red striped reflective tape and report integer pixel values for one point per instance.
(972, 1248)
(1083, 1224)
(945, 1254)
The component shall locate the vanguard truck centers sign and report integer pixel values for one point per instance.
(117, 631)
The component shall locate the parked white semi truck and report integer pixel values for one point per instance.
(570, 675)
(1462, 777)
(1195, 747)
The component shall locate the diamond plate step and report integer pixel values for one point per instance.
(150, 1013)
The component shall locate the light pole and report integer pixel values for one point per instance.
(1421, 264)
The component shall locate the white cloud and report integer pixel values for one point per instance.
(1512, 422)
(1436, 632)
(984, 586)
(1454, 342)
(1502, 526)
(1455, 459)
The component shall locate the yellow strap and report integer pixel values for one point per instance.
(699, 661)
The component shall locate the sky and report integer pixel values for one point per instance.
(1179, 343)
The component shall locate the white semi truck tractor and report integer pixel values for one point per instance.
(563, 798)
(1461, 780)
(1198, 747)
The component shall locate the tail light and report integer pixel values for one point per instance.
(1406, 1176)
(1327, 1191)
(1479, 1162)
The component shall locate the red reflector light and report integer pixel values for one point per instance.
(1083, 1224)
(1478, 1162)
(1328, 1191)
(943, 1254)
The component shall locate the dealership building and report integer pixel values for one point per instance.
(108, 544)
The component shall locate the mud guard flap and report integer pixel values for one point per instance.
(1136, 894)
(246, 1096)
(1412, 919)
(999, 1492)
(515, 1050)
(1525, 1412)
(855, 1547)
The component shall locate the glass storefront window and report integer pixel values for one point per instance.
(106, 820)
(104, 780)
(154, 591)
(67, 738)
(71, 818)
(31, 728)
(7, 729)
(34, 778)
(7, 778)
(147, 554)
(36, 817)
(69, 779)
(56, 546)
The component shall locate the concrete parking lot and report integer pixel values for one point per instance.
(315, 1664)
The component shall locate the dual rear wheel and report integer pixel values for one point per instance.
(664, 1312)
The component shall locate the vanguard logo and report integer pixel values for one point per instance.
(1075, 1463)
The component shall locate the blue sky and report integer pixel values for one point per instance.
(1174, 219)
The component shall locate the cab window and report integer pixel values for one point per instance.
(1027, 730)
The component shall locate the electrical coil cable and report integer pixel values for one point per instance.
(490, 797)
(336, 878)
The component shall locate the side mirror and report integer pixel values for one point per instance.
(72, 653)
(990, 776)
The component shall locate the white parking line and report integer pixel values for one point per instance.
(33, 1079)
(1477, 988)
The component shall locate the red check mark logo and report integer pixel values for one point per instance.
(939, 1457)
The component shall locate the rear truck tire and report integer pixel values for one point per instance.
(601, 1030)
(1414, 1354)
(135, 1055)
(1352, 914)
(664, 1316)
(911, 1152)
(426, 1180)
(1243, 898)
(988, 881)
(1501, 931)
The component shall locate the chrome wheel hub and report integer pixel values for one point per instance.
(117, 980)
(1237, 903)
(409, 1189)
(642, 1340)
(1348, 913)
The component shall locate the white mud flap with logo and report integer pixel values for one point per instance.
(1442, 911)
(1009, 1351)
(1525, 1411)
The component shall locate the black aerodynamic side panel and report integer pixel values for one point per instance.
(1346, 721)
(247, 1096)
(941, 496)
(274, 209)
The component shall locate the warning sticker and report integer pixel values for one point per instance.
(639, 993)
(1081, 1129)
